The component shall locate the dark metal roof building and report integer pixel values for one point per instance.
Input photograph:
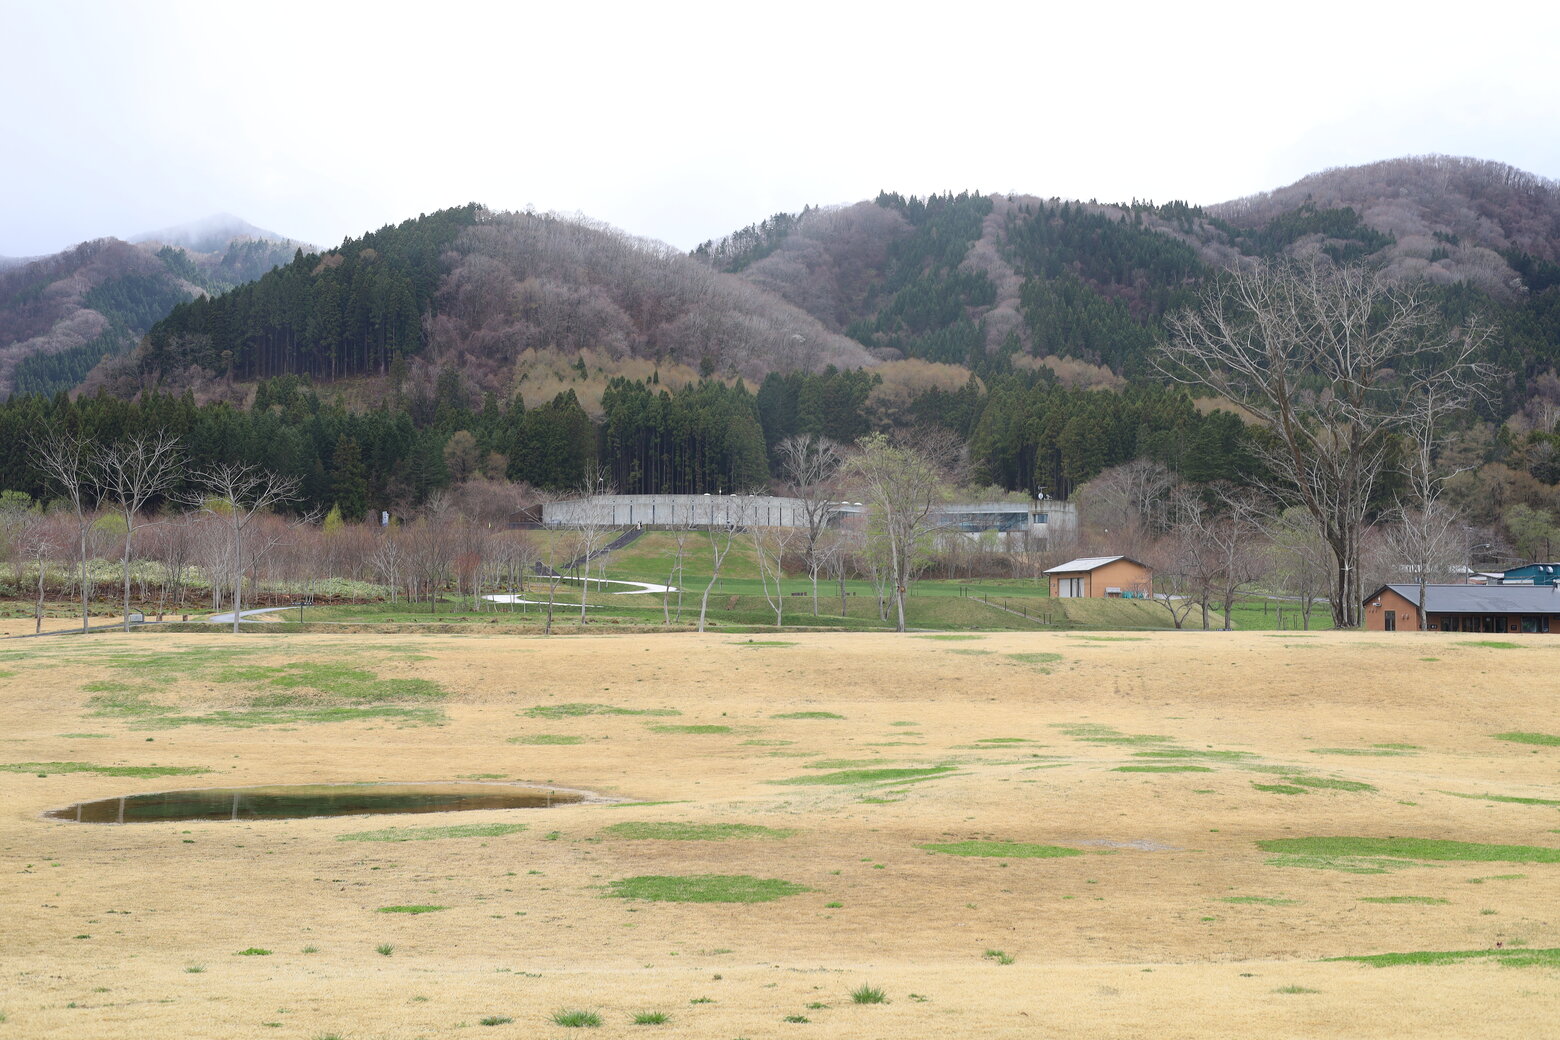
(1481, 599)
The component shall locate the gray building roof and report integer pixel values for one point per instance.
(1085, 563)
(1482, 599)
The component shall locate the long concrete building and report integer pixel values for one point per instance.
(1039, 518)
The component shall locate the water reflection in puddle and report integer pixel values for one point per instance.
(305, 800)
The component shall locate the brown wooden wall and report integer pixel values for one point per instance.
(1119, 574)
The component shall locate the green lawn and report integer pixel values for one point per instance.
(737, 600)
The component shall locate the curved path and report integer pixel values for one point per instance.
(637, 588)
(227, 619)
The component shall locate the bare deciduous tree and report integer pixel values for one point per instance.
(770, 544)
(1332, 361)
(1301, 559)
(132, 474)
(1428, 536)
(66, 461)
(681, 529)
(1238, 549)
(721, 536)
(902, 484)
(808, 467)
(237, 494)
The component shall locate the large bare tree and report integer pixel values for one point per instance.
(237, 494)
(133, 473)
(68, 463)
(808, 467)
(902, 484)
(1429, 536)
(1332, 361)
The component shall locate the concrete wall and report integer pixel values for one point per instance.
(1041, 519)
(677, 510)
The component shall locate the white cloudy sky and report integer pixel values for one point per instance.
(681, 121)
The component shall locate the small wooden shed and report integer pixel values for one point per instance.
(1102, 577)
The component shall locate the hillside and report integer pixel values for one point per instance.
(1004, 282)
(61, 315)
(498, 297)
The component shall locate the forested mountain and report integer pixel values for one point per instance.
(542, 349)
(484, 294)
(63, 314)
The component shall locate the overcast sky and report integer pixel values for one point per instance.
(683, 121)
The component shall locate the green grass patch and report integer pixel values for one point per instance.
(1370, 752)
(833, 763)
(576, 1019)
(1095, 734)
(1512, 958)
(253, 951)
(1493, 644)
(280, 709)
(1543, 739)
(1328, 783)
(1295, 989)
(1344, 864)
(651, 1018)
(1279, 788)
(1208, 753)
(84, 736)
(1259, 901)
(1413, 848)
(546, 739)
(494, 1020)
(1000, 956)
(643, 831)
(868, 776)
(1162, 769)
(696, 729)
(1035, 658)
(413, 908)
(808, 715)
(1001, 849)
(43, 768)
(765, 642)
(1405, 900)
(703, 888)
(1511, 799)
(576, 710)
(868, 995)
(459, 830)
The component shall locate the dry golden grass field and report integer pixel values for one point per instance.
(1136, 775)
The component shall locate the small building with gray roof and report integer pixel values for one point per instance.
(1491, 609)
(1101, 577)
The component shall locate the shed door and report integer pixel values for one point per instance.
(1391, 621)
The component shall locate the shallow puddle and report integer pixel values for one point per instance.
(305, 800)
